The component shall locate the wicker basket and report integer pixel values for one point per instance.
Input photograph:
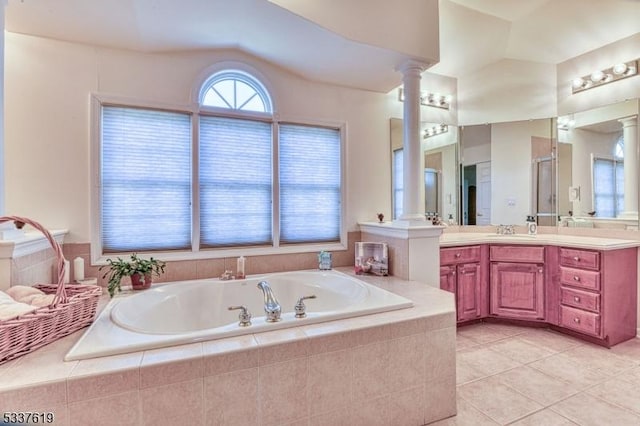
(73, 307)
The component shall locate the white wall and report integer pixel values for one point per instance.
(508, 90)
(48, 87)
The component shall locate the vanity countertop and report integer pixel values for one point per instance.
(453, 239)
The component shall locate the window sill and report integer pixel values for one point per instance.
(172, 256)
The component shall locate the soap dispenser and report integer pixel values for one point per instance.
(532, 226)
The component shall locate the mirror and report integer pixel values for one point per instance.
(598, 176)
(439, 148)
(507, 172)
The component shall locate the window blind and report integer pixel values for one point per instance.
(398, 183)
(235, 182)
(310, 184)
(608, 187)
(146, 179)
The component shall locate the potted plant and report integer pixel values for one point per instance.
(140, 270)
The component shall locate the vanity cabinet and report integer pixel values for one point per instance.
(598, 293)
(517, 282)
(461, 272)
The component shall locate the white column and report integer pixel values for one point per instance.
(413, 163)
(630, 136)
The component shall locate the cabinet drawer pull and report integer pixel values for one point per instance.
(576, 258)
(453, 273)
(576, 320)
(576, 278)
(576, 298)
(540, 270)
(457, 255)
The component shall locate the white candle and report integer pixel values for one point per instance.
(78, 269)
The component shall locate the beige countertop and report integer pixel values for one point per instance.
(453, 239)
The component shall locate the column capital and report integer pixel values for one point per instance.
(629, 121)
(412, 66)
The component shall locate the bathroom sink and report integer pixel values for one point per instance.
(524, 236)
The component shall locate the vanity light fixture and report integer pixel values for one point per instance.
(435, 131)
(600, 77)
(430, 99)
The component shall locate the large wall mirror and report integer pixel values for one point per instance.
(577, 170)
(508, 172)
(600, 176)
(439, 151)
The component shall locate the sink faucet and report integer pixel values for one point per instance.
(271, 305)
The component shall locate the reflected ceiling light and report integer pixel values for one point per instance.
(430, 99)
(435, 130)
(600, 77)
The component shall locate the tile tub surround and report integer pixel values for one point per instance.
(391, 368)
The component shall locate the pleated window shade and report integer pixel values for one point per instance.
(146, 179)
(310, 184)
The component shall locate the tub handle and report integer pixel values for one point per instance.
(244, 316)
(301, 308)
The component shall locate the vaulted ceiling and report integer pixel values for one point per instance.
(356, 43)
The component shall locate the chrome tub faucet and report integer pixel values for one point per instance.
(271, 306)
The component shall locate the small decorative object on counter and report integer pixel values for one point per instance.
(240, 268)
(532, 226)
(372, 258)
(451, 220)
(324, 261)
(380, 217)
(139, 270)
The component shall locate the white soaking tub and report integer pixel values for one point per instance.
(192, 311)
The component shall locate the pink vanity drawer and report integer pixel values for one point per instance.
(580, 299)
(580, 258)
(579, 320)
(459, 254)
(580, 278)
(529, 254)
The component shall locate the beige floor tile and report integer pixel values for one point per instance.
(498, 401)
(462, 342)
(546, 417)
(486, 361)
(619, 392)
(632, 375)
(565, 368)
(629, 350)
(467, 416)
(550, 340)
(481, 333)
(599, 359)
(520, 350)
(587, 410)
(466, 373)
(536, 385)
(506, 329)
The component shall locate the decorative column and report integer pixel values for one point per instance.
(413, 162)
(630, 137)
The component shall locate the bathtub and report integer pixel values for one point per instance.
(193, 311)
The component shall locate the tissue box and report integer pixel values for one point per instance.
(372, 258)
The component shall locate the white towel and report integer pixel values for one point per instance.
(10, 309)
(24, 293)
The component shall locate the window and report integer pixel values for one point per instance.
(608, 187)
(397, 183)
(146, 179)
(240, 179)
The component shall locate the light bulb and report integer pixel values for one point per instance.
(619, 69)
(597, 76)
(578, 82)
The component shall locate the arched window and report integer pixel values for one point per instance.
(235, 90)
